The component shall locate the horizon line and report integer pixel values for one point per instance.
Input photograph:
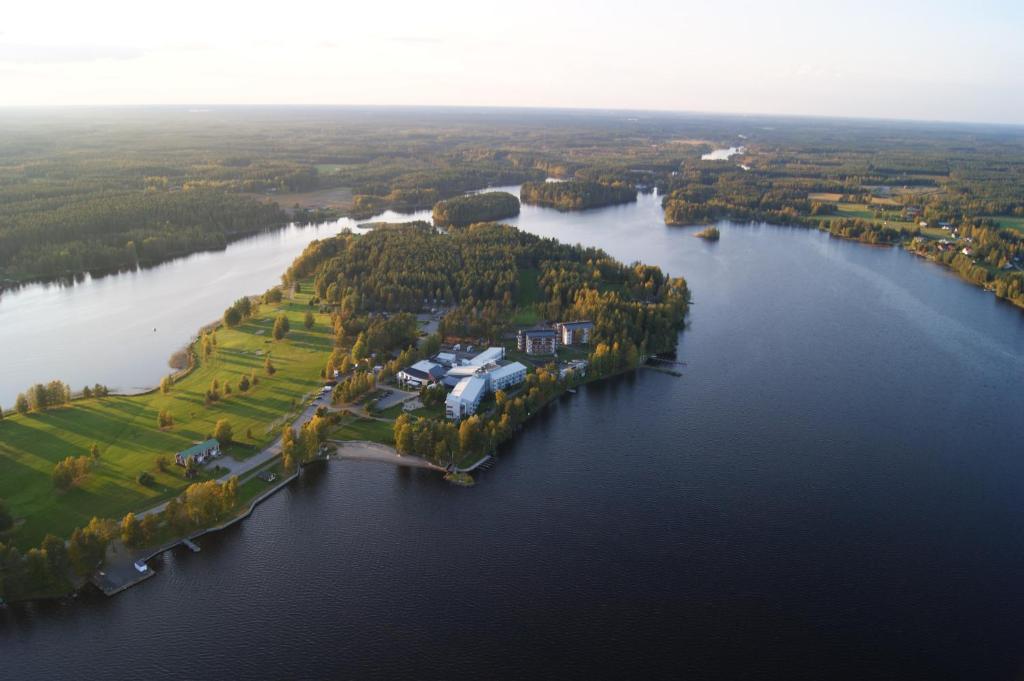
(528, 108)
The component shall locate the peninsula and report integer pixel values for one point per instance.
(438, 345)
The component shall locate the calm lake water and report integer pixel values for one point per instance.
(121, 329)
(832, 490)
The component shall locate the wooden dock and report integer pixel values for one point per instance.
(191, 544)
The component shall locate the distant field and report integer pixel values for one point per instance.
(855, 210)
(829, 197)
(125, 428)
(1009, 221)
(881, 201)
(339, 198)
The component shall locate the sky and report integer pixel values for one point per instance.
(938, 60)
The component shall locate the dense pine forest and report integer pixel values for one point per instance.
(577, 194)
(462, 211)
(477, 272)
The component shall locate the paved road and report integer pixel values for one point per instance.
(240, 468)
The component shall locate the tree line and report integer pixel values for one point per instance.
(576, 194)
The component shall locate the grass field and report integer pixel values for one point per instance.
(365, 429)
(125, 428)
(527, 295)
(1009, 222)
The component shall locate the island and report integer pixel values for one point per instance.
(576, 194)
(424, 347)
(483, 207)
(708, 234)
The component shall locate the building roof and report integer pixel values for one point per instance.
(488, 355)
(424, 370)
(199, 447)
(463, 370)
(538, 333)
(585, 324)
(469, 389)
(424, 365)
(507, 370)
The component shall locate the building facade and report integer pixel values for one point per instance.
(464, 398)
(537, 341)
(575, 333)
(503, 378)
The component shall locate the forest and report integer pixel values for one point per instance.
(576, 194)
(462, 211)
(475, 272)
(114, 189)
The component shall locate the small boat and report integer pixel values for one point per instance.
(571, 391)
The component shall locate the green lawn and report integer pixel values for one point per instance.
(529, 289)
(125, 427)
(527, 295)
(365, 429)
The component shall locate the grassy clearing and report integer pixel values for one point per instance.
(125, 428)
(529, 288)
(365, 429)
(827, 197)
(1009, 222)
(527, 296)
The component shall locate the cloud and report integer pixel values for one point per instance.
(62, 54)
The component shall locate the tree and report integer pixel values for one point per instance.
(149, 527)
(281, 326)
(288, 453)
(175, 516)
(229, 494)
(131, 531)
(6, 521)
(268, 366)
(471, 435)
(145, 478)
(243, 384)
(94, 451)
(309, 320)
(1, 413)
(162, 463)
(56, 555)
(165, 384)
(165, 419)
(222, 432)
(403, 434)
(87, 546)
(70, 471)
(21, 404)
(359, 350)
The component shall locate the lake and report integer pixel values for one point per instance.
(832, 489)
(722, 154)
(121, 329)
